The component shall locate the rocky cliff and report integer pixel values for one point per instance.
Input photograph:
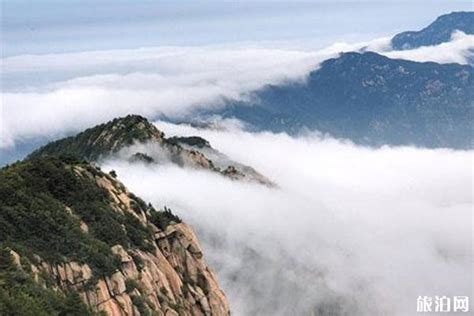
(74, 229)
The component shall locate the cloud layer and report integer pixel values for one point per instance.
(52, 95)
(166, 81)
(350, 230)
(459, 50)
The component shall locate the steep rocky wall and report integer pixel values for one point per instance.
(172, 279)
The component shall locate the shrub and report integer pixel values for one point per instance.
(162, 219)
(130, 285)
(33, 215)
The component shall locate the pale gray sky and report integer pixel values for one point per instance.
(32, 27)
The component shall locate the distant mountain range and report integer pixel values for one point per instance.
(373, 100)
(437, 32)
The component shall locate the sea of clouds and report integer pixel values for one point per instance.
(348, 231)
(52, 95)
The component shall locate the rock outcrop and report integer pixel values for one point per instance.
(166, 275)
(173, 280)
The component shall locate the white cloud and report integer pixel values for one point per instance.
(362, 230)
(163, 81)
(51, 95)
(458, 50)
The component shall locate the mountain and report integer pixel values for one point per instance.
(137, 140)
(370, 99)
(75, 241)
(437, 32)
(103, 140)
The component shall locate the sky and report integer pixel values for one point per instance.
(38, 27)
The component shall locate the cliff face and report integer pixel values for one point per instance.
(122, 258)
(173, 280)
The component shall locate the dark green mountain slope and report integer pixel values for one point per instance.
(44, 202)
(103, 140)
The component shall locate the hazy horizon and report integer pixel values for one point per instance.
(50, 26)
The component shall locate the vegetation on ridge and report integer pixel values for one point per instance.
(101, 140)
(54, 211)
(44, 202)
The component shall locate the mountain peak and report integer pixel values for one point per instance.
(136, 127)
(104, 139)
(134, 138)
(437, 32)
(455, 15)
(372, 100)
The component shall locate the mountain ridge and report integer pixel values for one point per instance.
(134, 138)
(437, 32)
(369, 99)
(102, 140)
